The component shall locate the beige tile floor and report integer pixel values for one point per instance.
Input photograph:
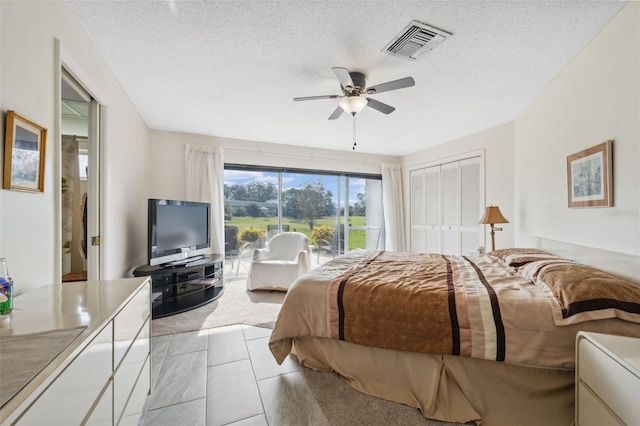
(226, 376)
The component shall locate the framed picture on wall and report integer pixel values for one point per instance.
(589, 177)
(24, 154)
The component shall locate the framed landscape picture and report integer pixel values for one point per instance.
(24, 154)
(589, 177)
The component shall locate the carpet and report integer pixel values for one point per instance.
(236, 306)
(343, 405)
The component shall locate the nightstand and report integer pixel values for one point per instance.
(607, 379)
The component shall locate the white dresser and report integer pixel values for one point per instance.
(607, 380)
(103, 376)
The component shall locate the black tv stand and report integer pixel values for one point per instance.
(179, 288)
(182, 262)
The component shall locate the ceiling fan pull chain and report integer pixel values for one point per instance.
(354, 132)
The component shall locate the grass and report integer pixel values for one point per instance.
(356, 237)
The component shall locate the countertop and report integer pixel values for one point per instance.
(90, 304)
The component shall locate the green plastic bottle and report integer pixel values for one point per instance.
(6, 289)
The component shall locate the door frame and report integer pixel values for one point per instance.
(64, 59)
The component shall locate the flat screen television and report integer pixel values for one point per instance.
(179, 231)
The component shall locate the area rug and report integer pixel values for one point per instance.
(236, 306)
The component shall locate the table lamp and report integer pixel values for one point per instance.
(491, 216)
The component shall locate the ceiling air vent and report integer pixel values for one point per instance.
(415, 40)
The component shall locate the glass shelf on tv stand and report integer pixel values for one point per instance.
(190, 261)
(180, 288)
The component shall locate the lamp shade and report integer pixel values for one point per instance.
(492, 215)
(353, 104)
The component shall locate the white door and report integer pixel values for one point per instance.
(450, 208)
(93, 196)
(433, 213)
(470, 205)
(417, 211)
(446, 205)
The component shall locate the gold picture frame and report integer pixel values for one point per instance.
(24, 154)
(589, 177)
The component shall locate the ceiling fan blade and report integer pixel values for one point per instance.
(377, 105)
(392, 85)
(336, 114)
(343, 76)
(311, 98)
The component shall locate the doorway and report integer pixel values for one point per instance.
(79, 185)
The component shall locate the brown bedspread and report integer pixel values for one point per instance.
(430, 303)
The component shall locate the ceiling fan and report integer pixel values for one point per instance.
(353, 85)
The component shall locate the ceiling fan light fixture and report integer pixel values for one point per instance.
(353, 104)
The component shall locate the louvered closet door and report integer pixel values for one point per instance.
(470, 206)
(450, 208)
(432, 209)
(417, 211)
(446, 204)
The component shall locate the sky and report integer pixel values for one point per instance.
(294, 180)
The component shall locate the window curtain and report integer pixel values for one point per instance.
(392, 205)
(205, 183)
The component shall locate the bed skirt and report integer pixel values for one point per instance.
(448, 388)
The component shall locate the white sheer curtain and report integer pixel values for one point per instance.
(392, 205)
(205, 183)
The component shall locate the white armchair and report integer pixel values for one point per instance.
(277, 266)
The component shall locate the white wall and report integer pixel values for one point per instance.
(595, 98)
(497, 144)
(167, 177)
(30, 221)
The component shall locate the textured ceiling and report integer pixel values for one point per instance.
(231, 68)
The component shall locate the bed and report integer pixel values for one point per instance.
(485, 339)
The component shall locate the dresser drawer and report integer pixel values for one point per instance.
(615, 385)
(102, 414)
(133, 411)
(128, 323)
(72, 394)
(591, 412)
(131, 368)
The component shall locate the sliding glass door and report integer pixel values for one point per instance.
(261, 202)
